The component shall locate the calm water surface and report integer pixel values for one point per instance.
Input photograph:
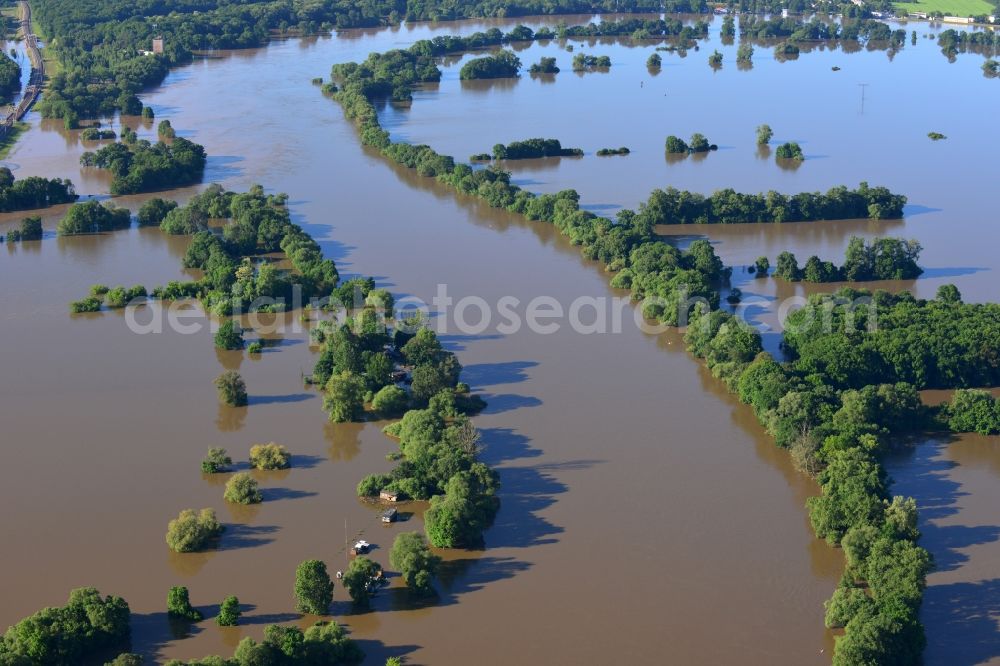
(646, 516)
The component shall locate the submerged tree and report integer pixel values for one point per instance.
(191, 531)
(232, 389)
(313, 588)
(764, 134)
(361, 578)
(217, 460)
(229, 612)
(229, 336)
(415, 561)
(790, 151)
(179, 605)
(243, 489)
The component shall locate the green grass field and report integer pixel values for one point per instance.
(7, 142)
(950, 7)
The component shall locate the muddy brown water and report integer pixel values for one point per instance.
(646, 515)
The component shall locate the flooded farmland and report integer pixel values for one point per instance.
(646, 516)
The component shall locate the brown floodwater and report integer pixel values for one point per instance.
(646, 515)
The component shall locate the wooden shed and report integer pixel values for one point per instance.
(389, 495)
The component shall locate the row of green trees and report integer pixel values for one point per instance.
(583, 62)
(838, 436)
(33, 192)
(797, 30)
(10, 78)
(545, 66)
(30, 229)
(533, 149)
(726, 206)
(114, 297)
(697, 144)
(878, 259)
(76, 633)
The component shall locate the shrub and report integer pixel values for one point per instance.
(89, 304)
(699, 144)
(116, 297)
(165, 130)
(973, 410)
(31, 229)
(231, 388)
(270, 456)
(415, 561)
(545, 66)
(675, 145)
(242, 489)
(152, 212)
(361, 578)
(216, 461)
(190, 531)
(179, 604)
(764, 134)
(390, 401)
(229, 336)
(92, 217)
(229, 612)
(790, 151)
(503, 64)
(372, 485)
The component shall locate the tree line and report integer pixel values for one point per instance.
(533, 149)
(726, 206)
(879, 259)
(10, 78)
(838, 435)
(33, 192)
(796, 30)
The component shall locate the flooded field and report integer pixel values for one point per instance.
(646, 515)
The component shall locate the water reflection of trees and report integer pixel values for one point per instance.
(230, 419)
(344, 439)
(187, 565)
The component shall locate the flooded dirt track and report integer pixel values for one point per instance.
(646, 515)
